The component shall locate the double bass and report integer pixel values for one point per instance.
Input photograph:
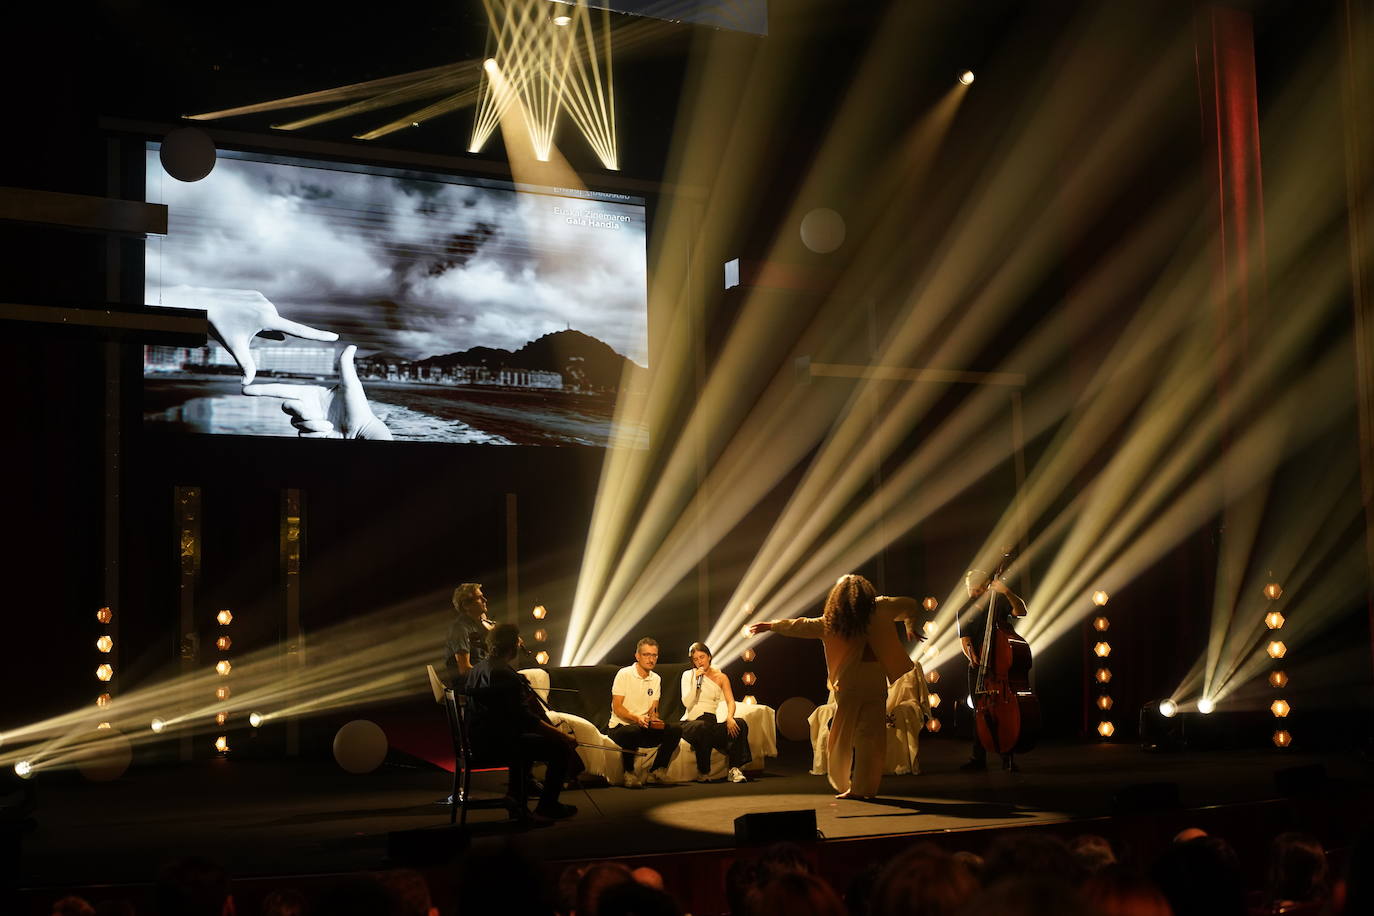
(1006, 711)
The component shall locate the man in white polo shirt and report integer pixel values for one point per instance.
(634, 714)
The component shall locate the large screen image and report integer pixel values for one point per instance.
(358, 302)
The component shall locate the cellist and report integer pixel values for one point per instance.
(972, 626)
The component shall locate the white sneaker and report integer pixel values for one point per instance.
(632, 781)
(736, 775)
(703, 777)
(656, 778)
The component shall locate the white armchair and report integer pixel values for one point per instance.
(908, 710)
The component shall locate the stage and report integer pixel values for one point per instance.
(271, 819)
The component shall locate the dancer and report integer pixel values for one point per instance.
(703, 689)
(862, 654)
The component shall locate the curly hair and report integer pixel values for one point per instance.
(849, 606)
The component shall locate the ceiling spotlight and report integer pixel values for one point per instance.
(23, 769)
(1205, 706)
(539, 612)
(931, 603)
(562, 21)
(934, 701)
(1100, 598)
(1273, 591)
(225, 617)
(1168, 708)
(966, 78)
(489, 65)
(255, 719)
(1106, 729)
(749, 655)
(157, 725)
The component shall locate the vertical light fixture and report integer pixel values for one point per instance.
(186, 510)
(1101, 649)
(223, 668)
(1278, 678)
(104, 645)
(291, 543)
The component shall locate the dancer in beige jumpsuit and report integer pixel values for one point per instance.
(862, 654)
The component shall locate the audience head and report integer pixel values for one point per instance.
(739, 880)
(648, 877)
(1189, 833)
(781, 859)
(1201, 877)
(285, 902)
(795, 894)
(409, 892)
(1093, 852)
(596, 880)
(923, 881)
(972, 861)
(503, 640)
(636, 899)
(1117, 891)
(72, 906)
(193, 887)
(1297, 868)
(1034, 855)
(355, 895)
(849, 605)
(1029, 895)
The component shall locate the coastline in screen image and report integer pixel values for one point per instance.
(481, 314)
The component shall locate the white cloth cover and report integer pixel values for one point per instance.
(908, 710)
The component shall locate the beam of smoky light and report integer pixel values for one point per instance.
(446, 76)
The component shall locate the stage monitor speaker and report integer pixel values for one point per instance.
(1307, 779)
(426, 846)
(764, 827)
(1145, 797)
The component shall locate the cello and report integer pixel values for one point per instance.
(1006, 711)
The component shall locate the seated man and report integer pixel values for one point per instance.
(634, 714)
(505, 726)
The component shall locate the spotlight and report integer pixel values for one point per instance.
(1102, 650)
(104, 644)
(222, 667)
(539, 612)
(930, 603)
(1277, 649)
(224, 617)
(1104, 702)
(1100, 598)
(489, 65)
(224, 643)
(1101, 624)
(222, 693)
(932, 677)
(934, 701)
(23, 769)
(157, 725)
(1273, 591)
(932, 725)
(969, 700)
(1160, 729)
(930, 628)
(104, 672)
(1105, 729)
(1273, 620)
(1281, 739)
(1104, 675)
(104, 615)
(749, 655)
(562, 21)
(1168, 708)
(255, 719)
(541, 658)
(102, 725)
(750, 701)
(749, 678)
(966, 78)
(541, 635)
(744, 631)
(221, 718)
(1205, 706)
(222, 744)
(1280, 709)
(103, 700)
(1278, 679)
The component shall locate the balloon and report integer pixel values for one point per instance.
(104, 755)
(792, 716)
(822, 230)
(360, 746)
(187, 154)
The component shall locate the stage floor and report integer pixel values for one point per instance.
(265, 818)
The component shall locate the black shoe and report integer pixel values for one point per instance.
(1009, 764)
(973, 766)
(555, 811)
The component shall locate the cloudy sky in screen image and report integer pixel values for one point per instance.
(406, 264)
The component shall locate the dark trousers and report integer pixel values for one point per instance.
(637, 736)
(705, 734)
(531, 748)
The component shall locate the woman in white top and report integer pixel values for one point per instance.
(703, 689)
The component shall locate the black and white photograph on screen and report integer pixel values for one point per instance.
(368, 303)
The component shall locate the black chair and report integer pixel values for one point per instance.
(465, 761)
